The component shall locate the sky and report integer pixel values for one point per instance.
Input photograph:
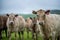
(26, 6)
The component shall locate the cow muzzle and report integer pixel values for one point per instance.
(41, 23)
(11, 23)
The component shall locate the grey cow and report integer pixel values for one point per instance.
(15, 24)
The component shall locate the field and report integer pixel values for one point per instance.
(25, 36)
(25, 33)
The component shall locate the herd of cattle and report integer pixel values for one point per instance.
(45, 23)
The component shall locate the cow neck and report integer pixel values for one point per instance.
(44, 27)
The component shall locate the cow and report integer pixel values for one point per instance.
(31, 23)
(35, 28)
(50, 23)
(15, 23)
(3, 26)
(28, 25)
(21, 26)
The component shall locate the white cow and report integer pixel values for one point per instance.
(15, 24)
(20, 23)
(50, 23)
(31, 24)
(28, 26)
(36, 29)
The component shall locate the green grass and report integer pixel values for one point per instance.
(25, 36)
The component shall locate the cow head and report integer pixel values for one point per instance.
(35, 24)
(11, 18)
(29, 19)
(34, 20)
(41, 14)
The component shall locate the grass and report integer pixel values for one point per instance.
(25, 36)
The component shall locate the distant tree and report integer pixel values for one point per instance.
(55, 11)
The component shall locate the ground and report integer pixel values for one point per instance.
(25, 36)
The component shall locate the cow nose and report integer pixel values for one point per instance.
(34, 24)
(11, 23)
(41, 23)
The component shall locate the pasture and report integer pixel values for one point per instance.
(25, 33)
(25, 36)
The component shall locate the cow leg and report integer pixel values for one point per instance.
(19, 35)
(22, 35)
(50, 38)
(9, 35)
(33, 38)
(36, 36)
(53, 36)
(27, 33)
(58, 37)
(16, 35)
(45, 38)
(6, 32)
(0, 35)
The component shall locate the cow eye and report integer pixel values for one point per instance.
(37, 15)
(13, 18)
(43, 15)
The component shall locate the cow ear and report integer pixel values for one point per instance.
(34, 12)
(16, 15)
(31, 18)
(25, 19)
(7, 15)
(47, 12)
